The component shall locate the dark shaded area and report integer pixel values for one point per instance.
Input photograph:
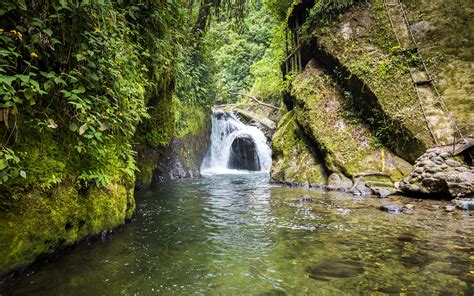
(299, 13)
(338, 268)
(243, 155)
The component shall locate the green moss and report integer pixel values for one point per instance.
(37, 223)
(293, 158)
(346, 143)
(364, 49)
(446, 43)
(190, 119)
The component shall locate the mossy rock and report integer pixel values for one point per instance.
(347, 144)
(294, 161)
(361, 51)
(37, 223)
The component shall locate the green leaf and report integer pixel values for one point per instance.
(94, 76)
(79, 90)
(73, 127)
(48, 85)
(80, 57)
(82, 129)
(29, 93)
(21, 4)
(23, 78)
(49, 32)
(35, 84)
(7, 79)
(59, 80)
(50, 75)
(3, 164)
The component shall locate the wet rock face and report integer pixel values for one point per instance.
(244, 155)
(437, 172)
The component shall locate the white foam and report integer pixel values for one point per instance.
(225, 129)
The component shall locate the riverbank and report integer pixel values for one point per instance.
(238, 233)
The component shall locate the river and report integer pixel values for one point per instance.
(238, 234)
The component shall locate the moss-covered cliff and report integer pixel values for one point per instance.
(86, 109)
(356, 99)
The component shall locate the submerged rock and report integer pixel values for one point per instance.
(464, 203)
(392, 208)
(339, 268)
(449, 208)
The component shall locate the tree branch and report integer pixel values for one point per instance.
(256, 100)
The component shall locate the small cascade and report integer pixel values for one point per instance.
(235, 147)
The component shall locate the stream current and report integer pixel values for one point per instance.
(231, 232)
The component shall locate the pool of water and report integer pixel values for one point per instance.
(237, 234)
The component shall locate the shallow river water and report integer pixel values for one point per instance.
(238, 234)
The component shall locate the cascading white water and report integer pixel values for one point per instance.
(226, 127)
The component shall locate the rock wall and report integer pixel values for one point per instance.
(183, 157)
(294, 161)
(356, 102)
(41, 222)
(437, 172)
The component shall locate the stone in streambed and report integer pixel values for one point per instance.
(339, 182)
(392, 208)
(338, 268)
(433, 170)
(464, 203)
(449, 208)
(383, 192)
(413, 188)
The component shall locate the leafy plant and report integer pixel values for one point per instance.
(9, 166)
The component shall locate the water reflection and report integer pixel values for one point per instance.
(237, 234)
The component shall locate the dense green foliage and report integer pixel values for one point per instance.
(324, 10)
(86, 84)
(248, 56)
(77, 79)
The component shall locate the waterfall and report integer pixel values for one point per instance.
(235, 147)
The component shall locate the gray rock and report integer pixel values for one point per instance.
(413, 188)
(392, 208)
(449, 208)
(383, 192)
(464, 203)
(445, 155)
(452, 163)
(425, 162)
(451, 177)
(418, 170)
(409, 207)
(432, 150)
(361, 188)
(433, 169)
(339, 182)
(305, 198)
(429, 182)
